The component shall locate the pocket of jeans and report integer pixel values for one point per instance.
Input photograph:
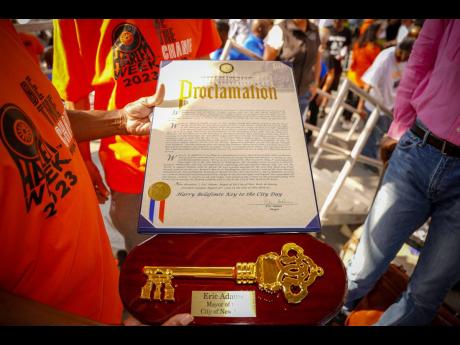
(408, 141)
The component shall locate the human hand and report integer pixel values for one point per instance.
(179, 320)
(387, 146)
(102, 192)
(362, 114)
(176, 320)
(319, 99)
(313, 91)
(135, 115)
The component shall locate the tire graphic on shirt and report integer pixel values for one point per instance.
(45, 174)
(126, 37)
(18, 133)
(134, 62)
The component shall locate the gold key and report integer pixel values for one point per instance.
(272, 272)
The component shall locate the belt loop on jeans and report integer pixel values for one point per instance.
(443, 150)
(425, 138)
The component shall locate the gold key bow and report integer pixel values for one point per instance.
(292, 273)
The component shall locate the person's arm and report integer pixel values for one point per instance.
(273, 43)
(175, 320)
(360, 106)
(421, 62)
(329, 79)
(314, 86)
(132, 119)
(19, 310)
(270, 54)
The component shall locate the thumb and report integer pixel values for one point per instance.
(156, 99)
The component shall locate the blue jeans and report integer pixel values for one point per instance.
(420, 182)
(372, 147)
(304, 102)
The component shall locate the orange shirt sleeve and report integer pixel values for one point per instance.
(71, 77)
(38, 46)
(210, 39)
(32, 44)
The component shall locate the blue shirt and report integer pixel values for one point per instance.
(323, 70)
(254, 44)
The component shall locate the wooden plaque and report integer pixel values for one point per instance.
(323, 301)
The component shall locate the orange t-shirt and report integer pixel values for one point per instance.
(54, 248)
(362, 59)
(119, 59)
(365, 24)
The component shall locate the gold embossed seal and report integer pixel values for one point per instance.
(159, 191)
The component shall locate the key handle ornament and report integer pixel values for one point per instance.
(292, 271)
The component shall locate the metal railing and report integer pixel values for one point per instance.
(327, 130)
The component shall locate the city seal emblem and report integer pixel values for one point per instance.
(159, 191)
(226, 68)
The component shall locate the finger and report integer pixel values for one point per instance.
(179, 320)
(156, 99)
(99, 184)
(142, 129)
(101, 196)
(103, 189)
(132, 321)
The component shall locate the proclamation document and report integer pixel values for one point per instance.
(227, 152)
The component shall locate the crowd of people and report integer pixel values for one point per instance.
(55, 248)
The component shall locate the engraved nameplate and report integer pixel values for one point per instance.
(223, 304)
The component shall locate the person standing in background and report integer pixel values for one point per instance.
(233, 54)
(119, 60)
(255, 40)
(381, 80)
(239, 29)
(297, 42)
(364, 52)
(337, 46)
(421, 181)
